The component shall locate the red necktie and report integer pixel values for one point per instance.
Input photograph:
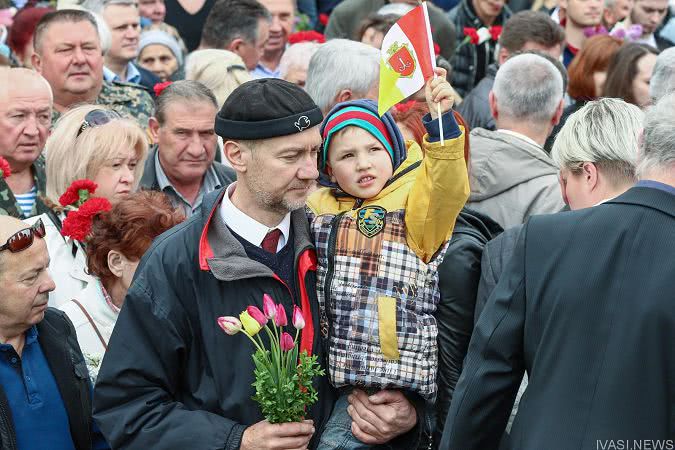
(269, 244)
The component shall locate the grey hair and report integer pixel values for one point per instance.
(341, 64)
(663, 76)
(528, 87)
(658, 151)
(188, 91)
(297, 55)
(104, 34)
(98, 6)
(605, 132)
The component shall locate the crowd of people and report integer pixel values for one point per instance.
(487, 265)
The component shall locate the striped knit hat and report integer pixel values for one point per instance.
(362, 114)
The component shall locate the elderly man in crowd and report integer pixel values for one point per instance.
(616, 11)
(283, 20)
(240, 26)
(295, 62)
(25, 119)
(511, 175)
(347, 17)
(171, 378)
(662, 82)
(45, 392)
(124, 22)
(182, 165)
(539, 319)
(331, 77)
(68, 55)
(524, 31)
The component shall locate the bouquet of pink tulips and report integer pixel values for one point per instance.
(283, 377)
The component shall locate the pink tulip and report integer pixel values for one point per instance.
(269, 307)
(230, 325)
(254, 312)
(287, 342)
(298, 319)
(280, 318)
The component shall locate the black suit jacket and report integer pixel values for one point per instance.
(589, 312)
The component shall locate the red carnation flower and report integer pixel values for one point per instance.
(159, 87)
(5, 170)
(437, 49)
(495, 32)
(306, 36)
(323, 19)
(405, 106)
(77, 225)
(472, 34)
(78, 192)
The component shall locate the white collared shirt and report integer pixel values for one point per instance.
(519, 136)
(246, 226)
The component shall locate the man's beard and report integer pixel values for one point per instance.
(273, 201)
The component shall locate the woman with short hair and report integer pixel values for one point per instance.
(95, 143)
(117, 241)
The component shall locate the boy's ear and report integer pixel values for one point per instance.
(329, 171)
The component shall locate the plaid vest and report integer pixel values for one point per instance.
(378, 300)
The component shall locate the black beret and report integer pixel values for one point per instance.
(266, 108)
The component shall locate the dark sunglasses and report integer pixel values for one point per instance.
(23, 239)
(96, 118)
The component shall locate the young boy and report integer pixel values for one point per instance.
(381, 225)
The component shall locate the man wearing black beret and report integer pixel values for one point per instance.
(171, 379)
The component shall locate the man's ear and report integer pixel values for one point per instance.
(235, 45)
(236, 154)
(503, 55)
(115, 263)
(555, 120)
(590, 174)
(493, 105)
(36, 62)
(153, 127)
(343, 96)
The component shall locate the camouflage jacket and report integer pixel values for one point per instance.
(128, 99)
(8, 203)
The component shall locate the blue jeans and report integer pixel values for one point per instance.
(337, 434)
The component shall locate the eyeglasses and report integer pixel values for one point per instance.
(23, 239)
(96, 118)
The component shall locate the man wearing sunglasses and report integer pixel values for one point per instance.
(25, 118)
(45, 392)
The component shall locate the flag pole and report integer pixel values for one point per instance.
(432, 55)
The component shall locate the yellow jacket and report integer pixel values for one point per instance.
(431, 189)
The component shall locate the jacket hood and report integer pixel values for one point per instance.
(500, 161)
(475, 222)
(399, 144)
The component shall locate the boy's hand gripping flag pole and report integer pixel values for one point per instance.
(407, 60)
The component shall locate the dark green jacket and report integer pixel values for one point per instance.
(8, 203)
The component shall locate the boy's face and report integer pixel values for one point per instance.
(358, 163)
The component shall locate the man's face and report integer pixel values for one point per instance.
(25, 119)
(124, 23)
(251, 52)
(649, 14)
(26, 284)
(187, 140)
(283, 16)
(159, 60)
(297, 75)
(622, 9)
(488, 9)
(152, 9)
(584, 13)
(71, 59)
(281, 171)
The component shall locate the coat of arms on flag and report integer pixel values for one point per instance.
(401, 60)
(407, 58)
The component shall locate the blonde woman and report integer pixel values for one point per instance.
(98, 144)
(219, 70)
